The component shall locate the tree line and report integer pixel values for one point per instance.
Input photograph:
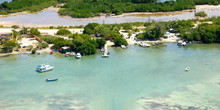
(91, 8)
(25, 5)
(79, 43)
(207, 32)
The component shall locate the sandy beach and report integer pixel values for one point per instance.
(207, 6)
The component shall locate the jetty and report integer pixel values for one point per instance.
(105, 53)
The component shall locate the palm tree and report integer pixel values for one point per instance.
(14, 34)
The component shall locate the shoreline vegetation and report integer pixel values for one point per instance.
(79, 10)
(97, 35)
(138, 14)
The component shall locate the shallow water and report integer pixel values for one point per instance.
(115, 83)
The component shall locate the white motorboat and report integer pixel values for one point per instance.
(44, 68)
(102, 49)
(184, 44)
(180, 43)
(144, 44)
(187, 68)
(123, 46)
(78, 55)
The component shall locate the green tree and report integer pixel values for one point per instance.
(8, 46)
(24, 30)
(33, 51)
(90, 28)
(42, 45)
(63, 32)
(87, 48)
(201, 14)
(34, 31)
(129, 34)
(101, 42)
(118, 41)
(15, 34)
(15, 26)
(127, 26)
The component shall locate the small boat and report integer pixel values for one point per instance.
(54, 79)
(44, 68)
(78, 55)
(102, 49)
(187, 68)
(67, 54)
(156, 43)
(123, 46)
(72, 54)
(105, 55)
(51, 53)
(144, 44)
(180, 43)
(184, 44)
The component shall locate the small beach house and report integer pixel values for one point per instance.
(5, 36)
(65, 49)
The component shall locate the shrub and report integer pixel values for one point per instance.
(63, 32)
(34, 31)
(201, 14)
(15, 26)
(33, 51)
(118, 41)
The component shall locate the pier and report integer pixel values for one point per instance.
(105, 53)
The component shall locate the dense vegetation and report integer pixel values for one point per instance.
(118, 41)
(63, 32)
(9, 46)
(80, 43)
(109, 32)
(25, 5)
(201, 14)
(34, 31)
(207, 33)
(210, 2)
(91, 8)
(156, 30)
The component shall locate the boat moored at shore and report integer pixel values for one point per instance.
(123, 46)
(78, 55)
(181, 43)
(144, 44)
(72, 54)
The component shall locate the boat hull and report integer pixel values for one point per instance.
(49, 80)
(41, 71)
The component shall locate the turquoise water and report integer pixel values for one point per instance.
(124, 81)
